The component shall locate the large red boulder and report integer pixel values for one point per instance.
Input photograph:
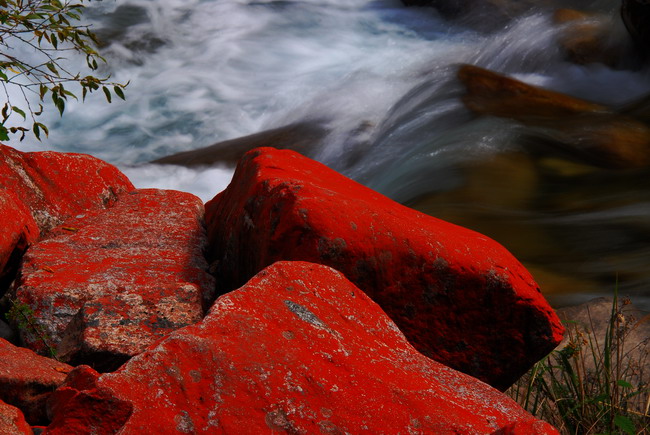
(27, 380)
(458, 296)
(40, 190)
(298, 349)
(12, 421)
(106, 285)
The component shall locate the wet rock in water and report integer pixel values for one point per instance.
(590, 37)
(447, 288)
(301, 137)
(636, 16)
(495, 204)
(12, 421)
(107, 285)
(40, 190)
(298, 349)
(494, 94)
(28, 379)
(577, 128)
(639, 109)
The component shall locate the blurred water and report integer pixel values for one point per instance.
(381, 79)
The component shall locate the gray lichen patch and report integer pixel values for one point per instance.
(304, 314)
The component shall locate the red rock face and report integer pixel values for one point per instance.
(56, 186)
(38, 191)
(299, 349)
(12, 421)
(108, 284)
(27, 380)
(18, 231)
(458, 296)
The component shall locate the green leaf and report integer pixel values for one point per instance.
(18, 111)
(52, 68)
(70, 94)
(118, 91)
(4, 133)
(624, 384)
(625, 424)
(58, 102)
(107, 93)
(3, 76)
(37, 130)
(44, 128)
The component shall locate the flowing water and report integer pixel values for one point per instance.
(380, 79)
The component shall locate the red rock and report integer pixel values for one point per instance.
(298, 349)
(56, 186)
(27, 380)
(19, 230)
(12, 421)
(40, 190)
(458, 296)
(79, 379)
(107, 285)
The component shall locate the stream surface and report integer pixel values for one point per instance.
(380, 80)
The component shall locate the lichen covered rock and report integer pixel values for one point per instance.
(56, 186)
(27, 380)
(458, 296)
(12, 421)
(40, 190)
(299, 349)
(106, 285)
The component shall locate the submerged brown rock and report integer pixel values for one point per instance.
(300, 137)
(582, 129)
(589, 37)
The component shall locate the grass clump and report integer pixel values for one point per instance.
(596, 382)
(22, 315)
